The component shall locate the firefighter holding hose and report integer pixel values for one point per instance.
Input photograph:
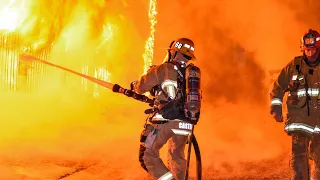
(301, 80)
(175, 84)
(176, 110)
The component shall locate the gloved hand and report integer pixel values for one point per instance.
(132, 85)
(276, 112)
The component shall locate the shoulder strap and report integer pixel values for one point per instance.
(297, 63)
(181, 76)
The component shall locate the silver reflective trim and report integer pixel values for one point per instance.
(276, 101)
(166, 176)
(302, 127)
(311, 91)
(181, 132)
(170, 87)
(158, 117)
(294, 77)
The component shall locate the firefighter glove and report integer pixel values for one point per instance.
(276, 112)
(132, 85)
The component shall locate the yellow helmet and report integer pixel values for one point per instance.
(184, 46)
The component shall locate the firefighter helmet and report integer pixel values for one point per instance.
(310, 40)
(184, 46)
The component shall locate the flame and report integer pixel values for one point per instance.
(103, 74)
(79, 42)
(106, 35)
(17, 16)
(85, 70)
(9, 19)
(148, 53)
(12, 15)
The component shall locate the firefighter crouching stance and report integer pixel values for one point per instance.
(168, 120)
(300, 79)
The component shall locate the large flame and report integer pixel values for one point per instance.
(42, 30)
(148, 54)
(12, 14)
(96, 38)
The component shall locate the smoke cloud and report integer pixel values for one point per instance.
(238, 44)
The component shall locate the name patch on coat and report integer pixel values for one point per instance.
(183, 125)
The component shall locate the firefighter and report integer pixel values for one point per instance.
(300, 81)
(167, 122)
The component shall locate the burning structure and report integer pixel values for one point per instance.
(25, 29)
(16, 75)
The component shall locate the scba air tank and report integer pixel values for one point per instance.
(193, 92)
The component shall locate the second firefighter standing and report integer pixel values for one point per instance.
(300, 80)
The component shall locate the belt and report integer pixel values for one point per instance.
(159, 122)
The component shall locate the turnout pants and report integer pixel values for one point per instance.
(154, 136)
(303, 150)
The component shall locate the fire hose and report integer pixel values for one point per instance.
(129, 93)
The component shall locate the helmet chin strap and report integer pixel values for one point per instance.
(183, 64)
(180, 63)
(174, 55)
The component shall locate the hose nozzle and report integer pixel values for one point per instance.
(117, 88)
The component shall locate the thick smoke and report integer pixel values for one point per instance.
(238, 44)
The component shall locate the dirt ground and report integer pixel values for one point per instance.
(97, 169)
(82, 143)
(263, 170)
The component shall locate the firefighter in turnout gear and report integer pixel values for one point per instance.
(167, 120)
(300, 81)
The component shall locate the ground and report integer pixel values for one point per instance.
(89, 170)
(86, 143)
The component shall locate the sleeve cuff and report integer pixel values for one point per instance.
(276, 102)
